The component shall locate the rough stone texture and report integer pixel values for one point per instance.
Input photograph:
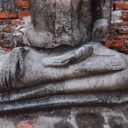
(68, 118)
(81, 67)
(87, 118)
(84, 27)
(7, 5)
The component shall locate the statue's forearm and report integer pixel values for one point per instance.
(102, 9)
(86, 13)
(101, 15)
(96, 20)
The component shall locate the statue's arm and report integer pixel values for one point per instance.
(69, 58)
(101, 16)
(102, 9)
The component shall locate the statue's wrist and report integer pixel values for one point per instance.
(100, 22)
(100, 30)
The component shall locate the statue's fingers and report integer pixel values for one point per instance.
(13, 76)
(7, 82)
(13, 81)
(1, 83)
(10, 80)
(21, 66)
(3, 80)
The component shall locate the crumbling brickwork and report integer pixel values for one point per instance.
(14, 19)
(118, 37)
(12, 13)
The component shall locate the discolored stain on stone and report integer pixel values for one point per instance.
(90, 120)
(117, 122)
(63, 124)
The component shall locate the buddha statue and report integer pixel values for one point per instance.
(64, 53)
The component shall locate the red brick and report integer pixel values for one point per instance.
(3, 22)
(115, 43)
(22, 4)
(121, 5)
(125, 50)
(6, 14)
(123, 31)
(22, 14)
(121, 37)
(1, 36)
(7, 49)
(124, 15)
(5, 43)
(124, 23)
(7, 29)
(17, 22)
(113, 30)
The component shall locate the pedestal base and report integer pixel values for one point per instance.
(89, 117)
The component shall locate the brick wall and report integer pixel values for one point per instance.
(13, 24)
(118, 37)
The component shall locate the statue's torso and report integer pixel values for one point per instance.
(57, 22)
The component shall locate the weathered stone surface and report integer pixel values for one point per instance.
(65, 57)
(86, 117)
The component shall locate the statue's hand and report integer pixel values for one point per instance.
(100, 30)
(12, 69)
(68, 58)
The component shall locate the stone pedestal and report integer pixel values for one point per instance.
(78, 117)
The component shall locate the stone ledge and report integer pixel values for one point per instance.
(66, 100)
(92, 117)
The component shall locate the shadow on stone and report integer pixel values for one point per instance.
(63, 124)
(90, 120)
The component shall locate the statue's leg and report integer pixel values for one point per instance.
(105, 82)
(101, 61)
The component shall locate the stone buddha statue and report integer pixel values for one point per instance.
(64, 54)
